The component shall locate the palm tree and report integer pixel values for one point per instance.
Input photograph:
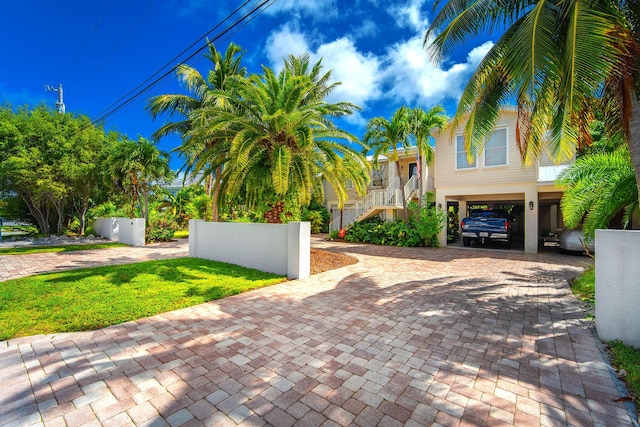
(588, 179)
(559, 59)
(134, 167)
(421, 123)
(206, 156)
(384, 137)
(282, 140)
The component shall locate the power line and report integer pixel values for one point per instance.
(150, 81)
(135, 102)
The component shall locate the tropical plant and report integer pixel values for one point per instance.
(282, 140)
(421, 123)
(384, 136)
(204, 157)
(135, 167)
(560, 60)
(588, 179)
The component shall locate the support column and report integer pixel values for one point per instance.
(531, 220)
(441, 200)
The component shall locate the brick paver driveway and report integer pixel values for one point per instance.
(410, 337)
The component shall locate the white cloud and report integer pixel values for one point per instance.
(285, 42)
(317, 9)
(409, 15)
(359, 73)
(414, 78)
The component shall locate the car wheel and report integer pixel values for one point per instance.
(466, 241)
(508, 244)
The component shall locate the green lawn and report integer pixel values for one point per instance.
(93, 298)
(57, 248)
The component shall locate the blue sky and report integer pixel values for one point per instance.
(101, 50)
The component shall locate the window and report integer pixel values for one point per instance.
(495, 149)
(495, 152)
(462, 161)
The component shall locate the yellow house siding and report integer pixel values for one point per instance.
(447, 173)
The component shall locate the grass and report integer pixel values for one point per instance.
(24, 250)
(624, 357)
(181, 234)
(628, 359)
(93, 298)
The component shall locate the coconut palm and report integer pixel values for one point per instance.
(421, 123)
(558, 59)
(282, 140)
(202, 156)
(384, 137)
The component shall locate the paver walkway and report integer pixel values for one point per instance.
(411, 337)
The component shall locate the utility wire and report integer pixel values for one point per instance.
(129, 106)
(150, 81)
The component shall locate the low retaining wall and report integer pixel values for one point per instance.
(130, 231)
(106, 227)
(282, 249)
(618, 285)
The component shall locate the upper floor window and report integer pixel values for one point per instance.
(462, 161)
(495, 149)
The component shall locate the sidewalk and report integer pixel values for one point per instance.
(408, 336)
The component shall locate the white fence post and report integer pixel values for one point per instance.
(299, 250)
(618, 285)
(132, 231)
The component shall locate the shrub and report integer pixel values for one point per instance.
(316, 220)
(160, 231)
(422, 230)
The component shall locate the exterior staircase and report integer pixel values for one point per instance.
(376, 202)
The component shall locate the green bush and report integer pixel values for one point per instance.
(422, 230)
(160, 230)
(316, 220)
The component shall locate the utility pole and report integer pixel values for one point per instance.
(59, 102)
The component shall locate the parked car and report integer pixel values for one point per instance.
(571, 240)
(487, 226)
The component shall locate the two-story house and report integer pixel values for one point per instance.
(495, 178)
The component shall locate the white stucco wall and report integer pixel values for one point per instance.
(130, 231)
(106, 227)
(276, 248)
(618, 285)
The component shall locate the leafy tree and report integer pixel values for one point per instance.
(136, 167)
(282, 140)
(49, 160)
(202, 155)
(559, 59)
(421, 123)
(384, 136)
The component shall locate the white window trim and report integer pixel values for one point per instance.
(456, 153)
(481, 156)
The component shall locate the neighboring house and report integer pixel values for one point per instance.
(496, 178)
(179, 183)
(383, 196)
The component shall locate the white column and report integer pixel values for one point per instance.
(441, 200)
(531, 220)
(299, 250)
(617, 287)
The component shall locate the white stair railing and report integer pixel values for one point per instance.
(410, 186)
(391, 197)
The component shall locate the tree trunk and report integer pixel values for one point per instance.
(41, 218)
(59, 205)
(404, 199)
(634, 138)
(419, 177)
(216, 195)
